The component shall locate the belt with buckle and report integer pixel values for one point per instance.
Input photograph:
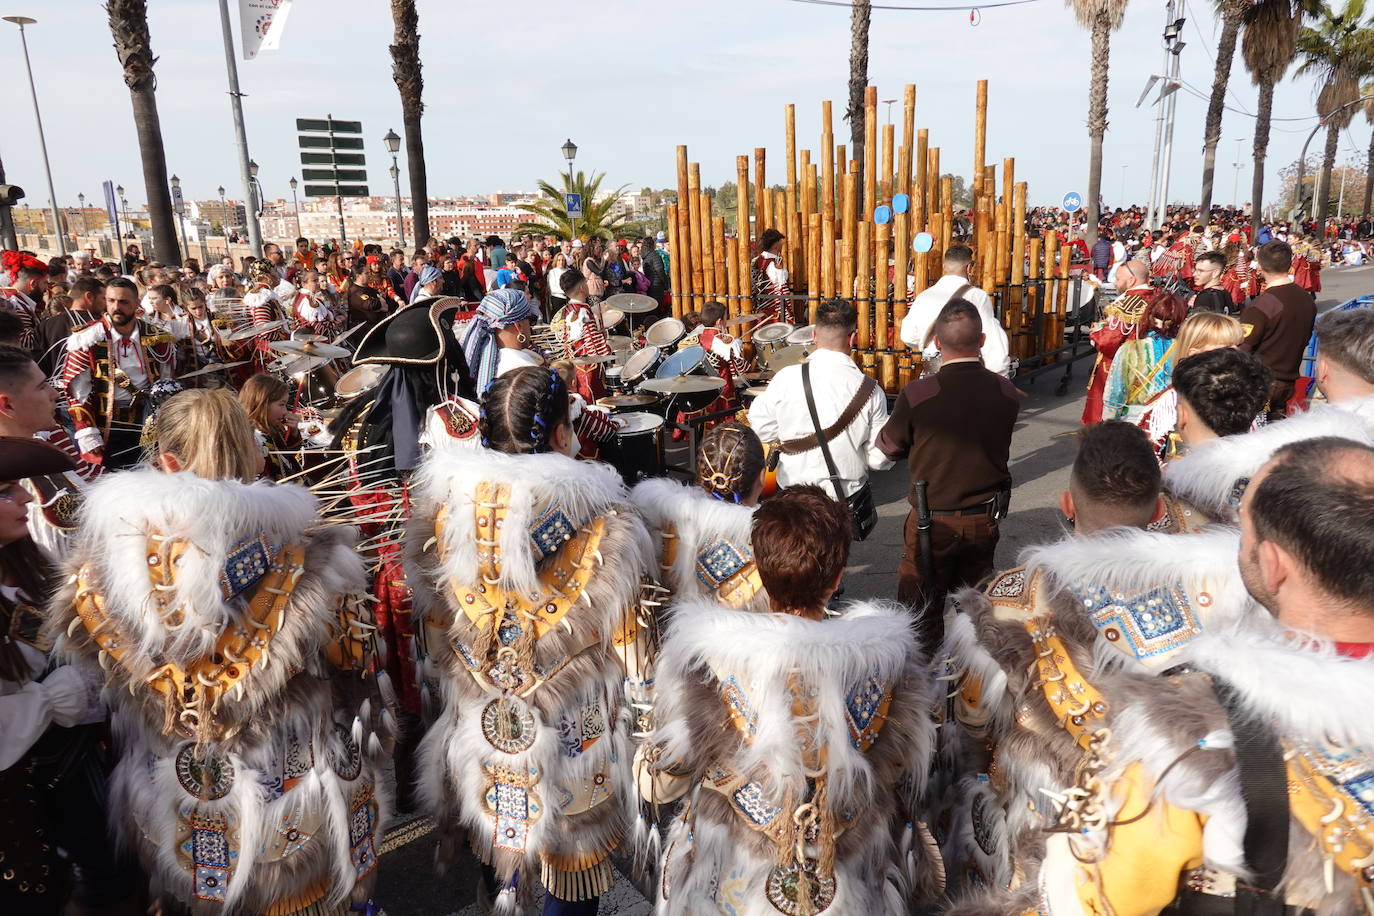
(983, 508)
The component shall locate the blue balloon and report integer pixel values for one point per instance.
(924, 241)
(882, 215)
(901, 203)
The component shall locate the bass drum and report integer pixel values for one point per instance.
(641, 365)
(687, 361)
(638, 446)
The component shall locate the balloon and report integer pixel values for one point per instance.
(901, 203)
(882, 215)
(924, 241)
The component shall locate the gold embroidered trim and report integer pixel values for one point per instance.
(1076, 704)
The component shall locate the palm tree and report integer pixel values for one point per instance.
(860, 17)
(596, 219)
(405, 70)
(1268, 45)
(1368, 93)
(1231, 13)
(1339, 50)
(1102, 17)
(134, 48)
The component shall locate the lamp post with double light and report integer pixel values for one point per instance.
(296, 204)
(181, 215)
(570, 153)
(393, 146)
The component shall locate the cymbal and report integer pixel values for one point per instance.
(627, 401)
(630, 303)
(743, 319)
(310, 338)
(347, 334)
(303, 364)
(593, 360)
(212, 367)
(309, 348)
(610, 317)
(683, 384)
(253, 330)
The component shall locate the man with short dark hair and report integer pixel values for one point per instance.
(26, 294)
(1220, 392)
(954, 428)
(1345, 361)
(1207, 273)
(1114, 481)
(1278, 323)
(850, 410)
(925, 307)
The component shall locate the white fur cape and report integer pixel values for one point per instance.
(712, 856)
(699, 521)
(1207, 476)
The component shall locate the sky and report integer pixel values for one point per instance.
(505, 85)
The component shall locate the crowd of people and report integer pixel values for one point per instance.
(290, 550)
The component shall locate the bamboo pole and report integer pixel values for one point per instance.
(841, 170)
(793, 228)
(934, 204)
(1005, 205)
(882, 308)
(827, 256)
(1048, 302)
(992, 277)
(808, 188)
(766, 206)
(849, 232)
(908, 134)
(980, 134)
(870, 150)
(731, 255)
(919, 197)
(813, 266)
(901, 254)
(742, 249)
(827, 152)
(722, 290)
(946, 212)
(682, 253)
(762, 220)
(697, 234)
(1018, 233)
(863, 283)
(675, 255)
(889, 135)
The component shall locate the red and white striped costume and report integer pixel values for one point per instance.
(583, 336)
(264, 307)
(27, 310)
(771, 288)
(311, 312)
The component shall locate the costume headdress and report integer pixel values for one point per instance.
(499, 309)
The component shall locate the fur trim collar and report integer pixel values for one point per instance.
(1296, 680)
(548, 493)
(1148, 594)
(1209, 477)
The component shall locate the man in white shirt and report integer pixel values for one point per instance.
(780, 413)
(955, 284)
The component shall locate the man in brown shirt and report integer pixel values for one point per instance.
(954, 428)
(1278, 323)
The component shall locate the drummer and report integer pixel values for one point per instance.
(311, 309)
(583, 336)
(593, 426)
(201, 337)
(264, 308)
(497, 340)
(724, 355)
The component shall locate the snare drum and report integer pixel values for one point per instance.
(641, 365)
(614, 382)
(803, 337)
(665, 332)
(687, 361)
(638, 451)
(358, 380)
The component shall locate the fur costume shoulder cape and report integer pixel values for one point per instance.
(712, 539)
(729, 719)
(529, 754)
(254, 786)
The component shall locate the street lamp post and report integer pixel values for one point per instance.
(22, 21)
(81, 199)
(393, 146)
(570, 153)
(122, 210)
(181, 215)
(296, 204)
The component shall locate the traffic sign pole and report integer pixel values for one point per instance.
(336, 182)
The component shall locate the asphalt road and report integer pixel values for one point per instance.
(1042, 453)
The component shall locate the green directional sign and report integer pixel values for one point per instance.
(310, 142)
(329, 190)
(340, 175)
(333, 159)
(324, 126)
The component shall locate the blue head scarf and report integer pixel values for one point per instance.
(428, 274)
(498, 309)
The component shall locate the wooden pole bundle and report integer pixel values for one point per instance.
(835, 247)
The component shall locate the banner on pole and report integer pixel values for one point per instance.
(111, 203)
(261, 24)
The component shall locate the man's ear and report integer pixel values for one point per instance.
(1066, 505)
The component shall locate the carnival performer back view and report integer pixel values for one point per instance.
(799, 740)
(237, 655)
(526, 567)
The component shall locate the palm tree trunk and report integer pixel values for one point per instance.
(1226, 52)
(406, 71)
(1265, 111)
(859, 21)
(1368, 179)
(1097, 119)
(1323, 193)
(133, 46)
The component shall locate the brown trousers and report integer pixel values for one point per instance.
(963, 547)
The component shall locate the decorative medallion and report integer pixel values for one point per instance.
(246, 563)
(865, 708)
(1152, 622)
(551, 531)
(718, 561)
(800, 890)
(345, 756)
(207, 778)
(983, 831)
(508, 726)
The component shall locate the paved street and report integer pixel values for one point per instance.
(1042, 452)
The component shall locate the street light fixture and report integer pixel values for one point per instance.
(296, 203)
(22, 21)
(254, 190)
(570, 153)
(175, 182)
(81, 199)
(393, 146)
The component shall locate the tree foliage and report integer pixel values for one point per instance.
(551, 215)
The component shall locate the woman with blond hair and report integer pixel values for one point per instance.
(237, 652)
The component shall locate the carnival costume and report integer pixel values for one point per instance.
(704, 548)
(1175, 263)
(1123, 319)
(264, 307)
(527, 572)
(314, 314)
(1307, 266)
(583, 336)
(1030, 655)
(498, 309)
(771, 288)
(802, 745)
(238, 652)
(55, 510)
(106, 378)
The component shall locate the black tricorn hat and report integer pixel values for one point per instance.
(420, 334)
(22, 457)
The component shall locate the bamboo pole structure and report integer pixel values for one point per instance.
(919, 196)
(794, 227)
(863, 283)
(675, 260)
(901, 252)
(848, 231)
(684, 289)
(946, 212)
(722, 286)
(731, 256)
(908, 134)
(813, 266)
(889, 134)
(980, 134)
(697, 234)
(762, 219)
(827, 152)
(742, 235)
(828, 290)
(870, 149)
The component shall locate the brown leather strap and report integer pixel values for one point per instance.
(851, 410)
(930, 331)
